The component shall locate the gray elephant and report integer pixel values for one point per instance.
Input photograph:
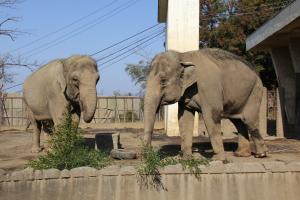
(211, 81)
(56, 85)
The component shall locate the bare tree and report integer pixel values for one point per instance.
(7, 60)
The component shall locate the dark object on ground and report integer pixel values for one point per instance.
(123, 154)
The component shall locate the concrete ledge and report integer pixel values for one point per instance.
(232, 181)
(214, 167)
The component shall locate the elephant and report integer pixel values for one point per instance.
(62, 83)
(211, 81)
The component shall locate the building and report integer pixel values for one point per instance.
(281, 37)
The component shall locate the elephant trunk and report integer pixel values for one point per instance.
(151, 103)
(88, 102)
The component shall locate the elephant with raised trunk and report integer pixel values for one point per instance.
(211, 81)
(57, 85)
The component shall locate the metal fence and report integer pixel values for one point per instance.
(110, 109)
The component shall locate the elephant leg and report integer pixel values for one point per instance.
(261, 149)
(47, 130)
(244, 149)
(36, 126)
(186, 127)
(251, 119)
(212, 122)
(57, 110)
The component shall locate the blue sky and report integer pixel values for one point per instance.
(39, 18)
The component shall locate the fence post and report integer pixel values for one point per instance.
(1, 109)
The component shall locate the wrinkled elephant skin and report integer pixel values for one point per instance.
(57, 85)
(212, 81)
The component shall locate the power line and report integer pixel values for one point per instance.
(81, 29)
(13, 86)
(123, 48)
(114, 58)
(122, 58)
(120, 42)
(130, 49)
(64, 27)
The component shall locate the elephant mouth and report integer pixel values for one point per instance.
(77, 97)
(81, 106)
(164, 103)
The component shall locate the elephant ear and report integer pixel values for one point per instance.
(61, 77)
(189, 75)
(66, 67)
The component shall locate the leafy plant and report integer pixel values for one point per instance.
(153, 160)
(67, 149)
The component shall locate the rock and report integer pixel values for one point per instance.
(112, 170)
(65, 173)
(123, 154)
(51, 173)
(38, 174)
(17, 176)
(28, 173)
(83, 172)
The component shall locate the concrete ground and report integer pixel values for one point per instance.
(15, 146)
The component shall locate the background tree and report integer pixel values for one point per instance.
(138, 73)
(7, 60)
(226, 24)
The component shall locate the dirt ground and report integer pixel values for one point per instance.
(15, 146)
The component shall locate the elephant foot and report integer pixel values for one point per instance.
(197, 155)
(220, 157)
(36, 149)
(242, 153)
(260, 155)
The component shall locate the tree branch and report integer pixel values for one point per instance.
(28, 66)
(9, 3)
(9, 32)
(8, 19)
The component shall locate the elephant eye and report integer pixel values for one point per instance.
(75, 81)
(182, 74)
(163, 82)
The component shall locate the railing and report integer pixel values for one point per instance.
(110, 109)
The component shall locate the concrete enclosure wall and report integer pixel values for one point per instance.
(233, 181)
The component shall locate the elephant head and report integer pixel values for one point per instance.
(171, 73)
(80, 75)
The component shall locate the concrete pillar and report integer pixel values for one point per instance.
(279, 120)
(286, 79)
(182, 35)
(294, 47)
(263, 114)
